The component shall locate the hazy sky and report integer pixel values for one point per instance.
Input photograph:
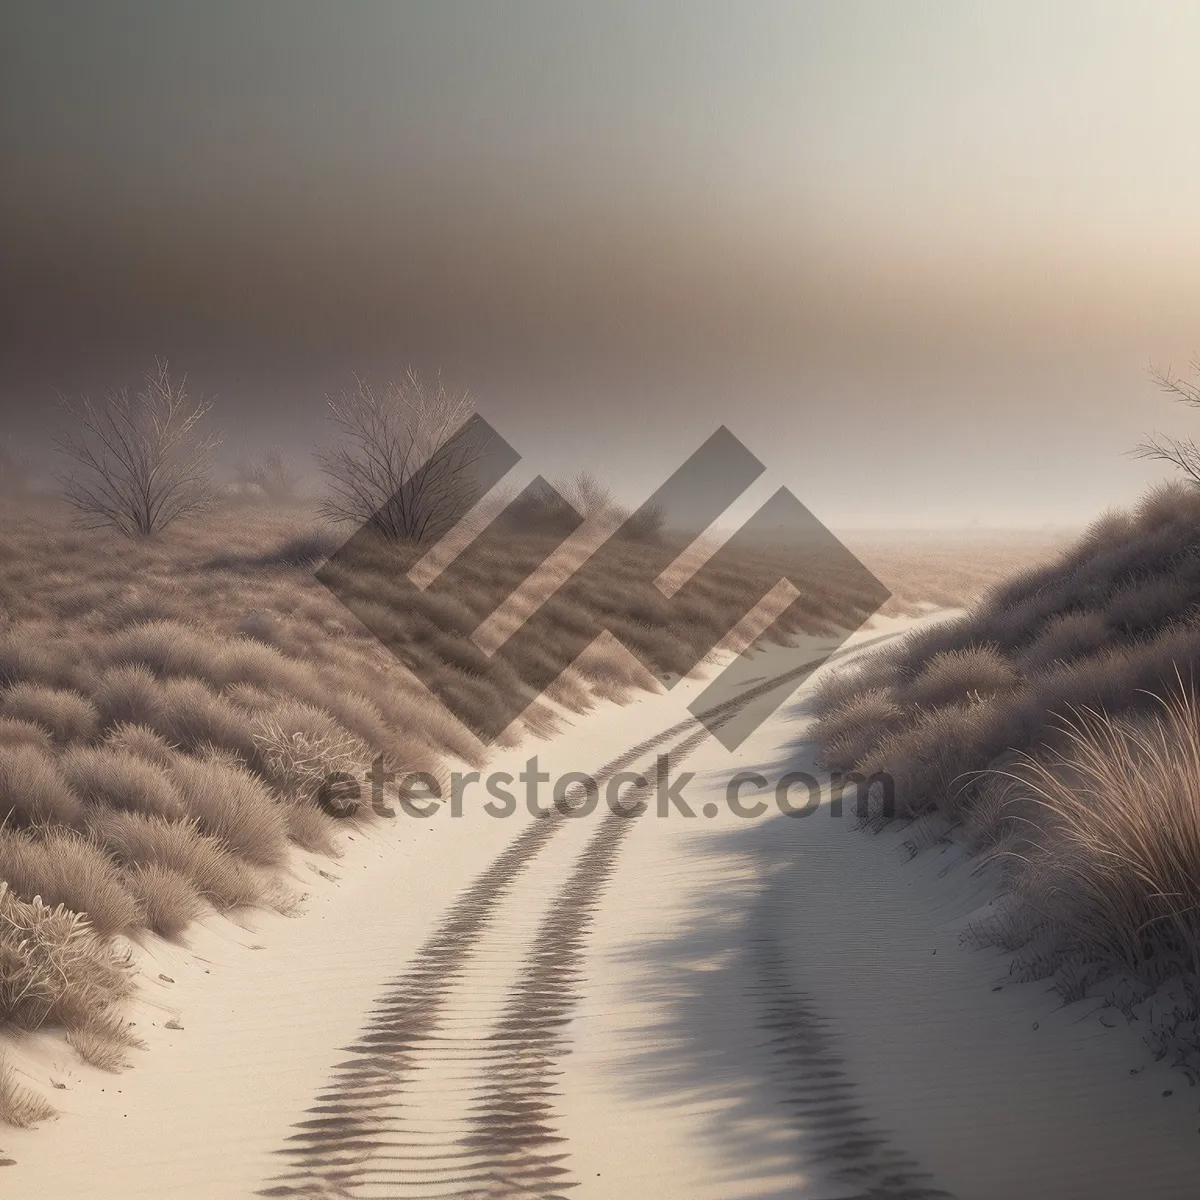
(918, 256)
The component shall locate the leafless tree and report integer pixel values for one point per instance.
(397, 464)
(271, 473)
(138, 461)
(592, 498)
(589, 496)
(1182, 453)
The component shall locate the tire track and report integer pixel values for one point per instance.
(353, 1119)
(514, 1127)
(364, 1134)
(820, 1096)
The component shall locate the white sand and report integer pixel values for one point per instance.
(740, 994)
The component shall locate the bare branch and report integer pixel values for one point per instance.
(1185, 391)
(1182, 453)
(396, 465)
(137, 462)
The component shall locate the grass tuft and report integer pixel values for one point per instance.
(19, 1106)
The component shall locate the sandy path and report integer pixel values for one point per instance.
(244, 1024)
(787, 1008)
(704, 1006)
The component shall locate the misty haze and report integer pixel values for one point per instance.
(599, 601)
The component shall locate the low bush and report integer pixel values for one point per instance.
(230, 804)
(112, 777)
(66, 715)
(64, 867)
(136, 840)
(54, 969)
(168, 899)
(33, 791)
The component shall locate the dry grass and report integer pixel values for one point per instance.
(218, 875)
(34, 791)
(64, 867)
(54, 968)
(65, 715)
(229, 804)
(167, 898)
(1057, 722)
(1114, 864)
(19, 1106)
(113, 777)
(975, 672)
(171, 706)
(1106, 626)
(104, 1043)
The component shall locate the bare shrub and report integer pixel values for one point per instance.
(138, 461)
(63, 867)
(397, 465)
(115, 778)
(168, 899)
(54, 970)
(231, 804)
(33, 791)
(67, 715)
(1181, 453)
(19, 1106)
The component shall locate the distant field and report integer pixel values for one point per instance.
(950, 567)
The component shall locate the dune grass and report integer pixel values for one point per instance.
(1113, 861)
(1056, 724)
(172, 710)
(20, 1106)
